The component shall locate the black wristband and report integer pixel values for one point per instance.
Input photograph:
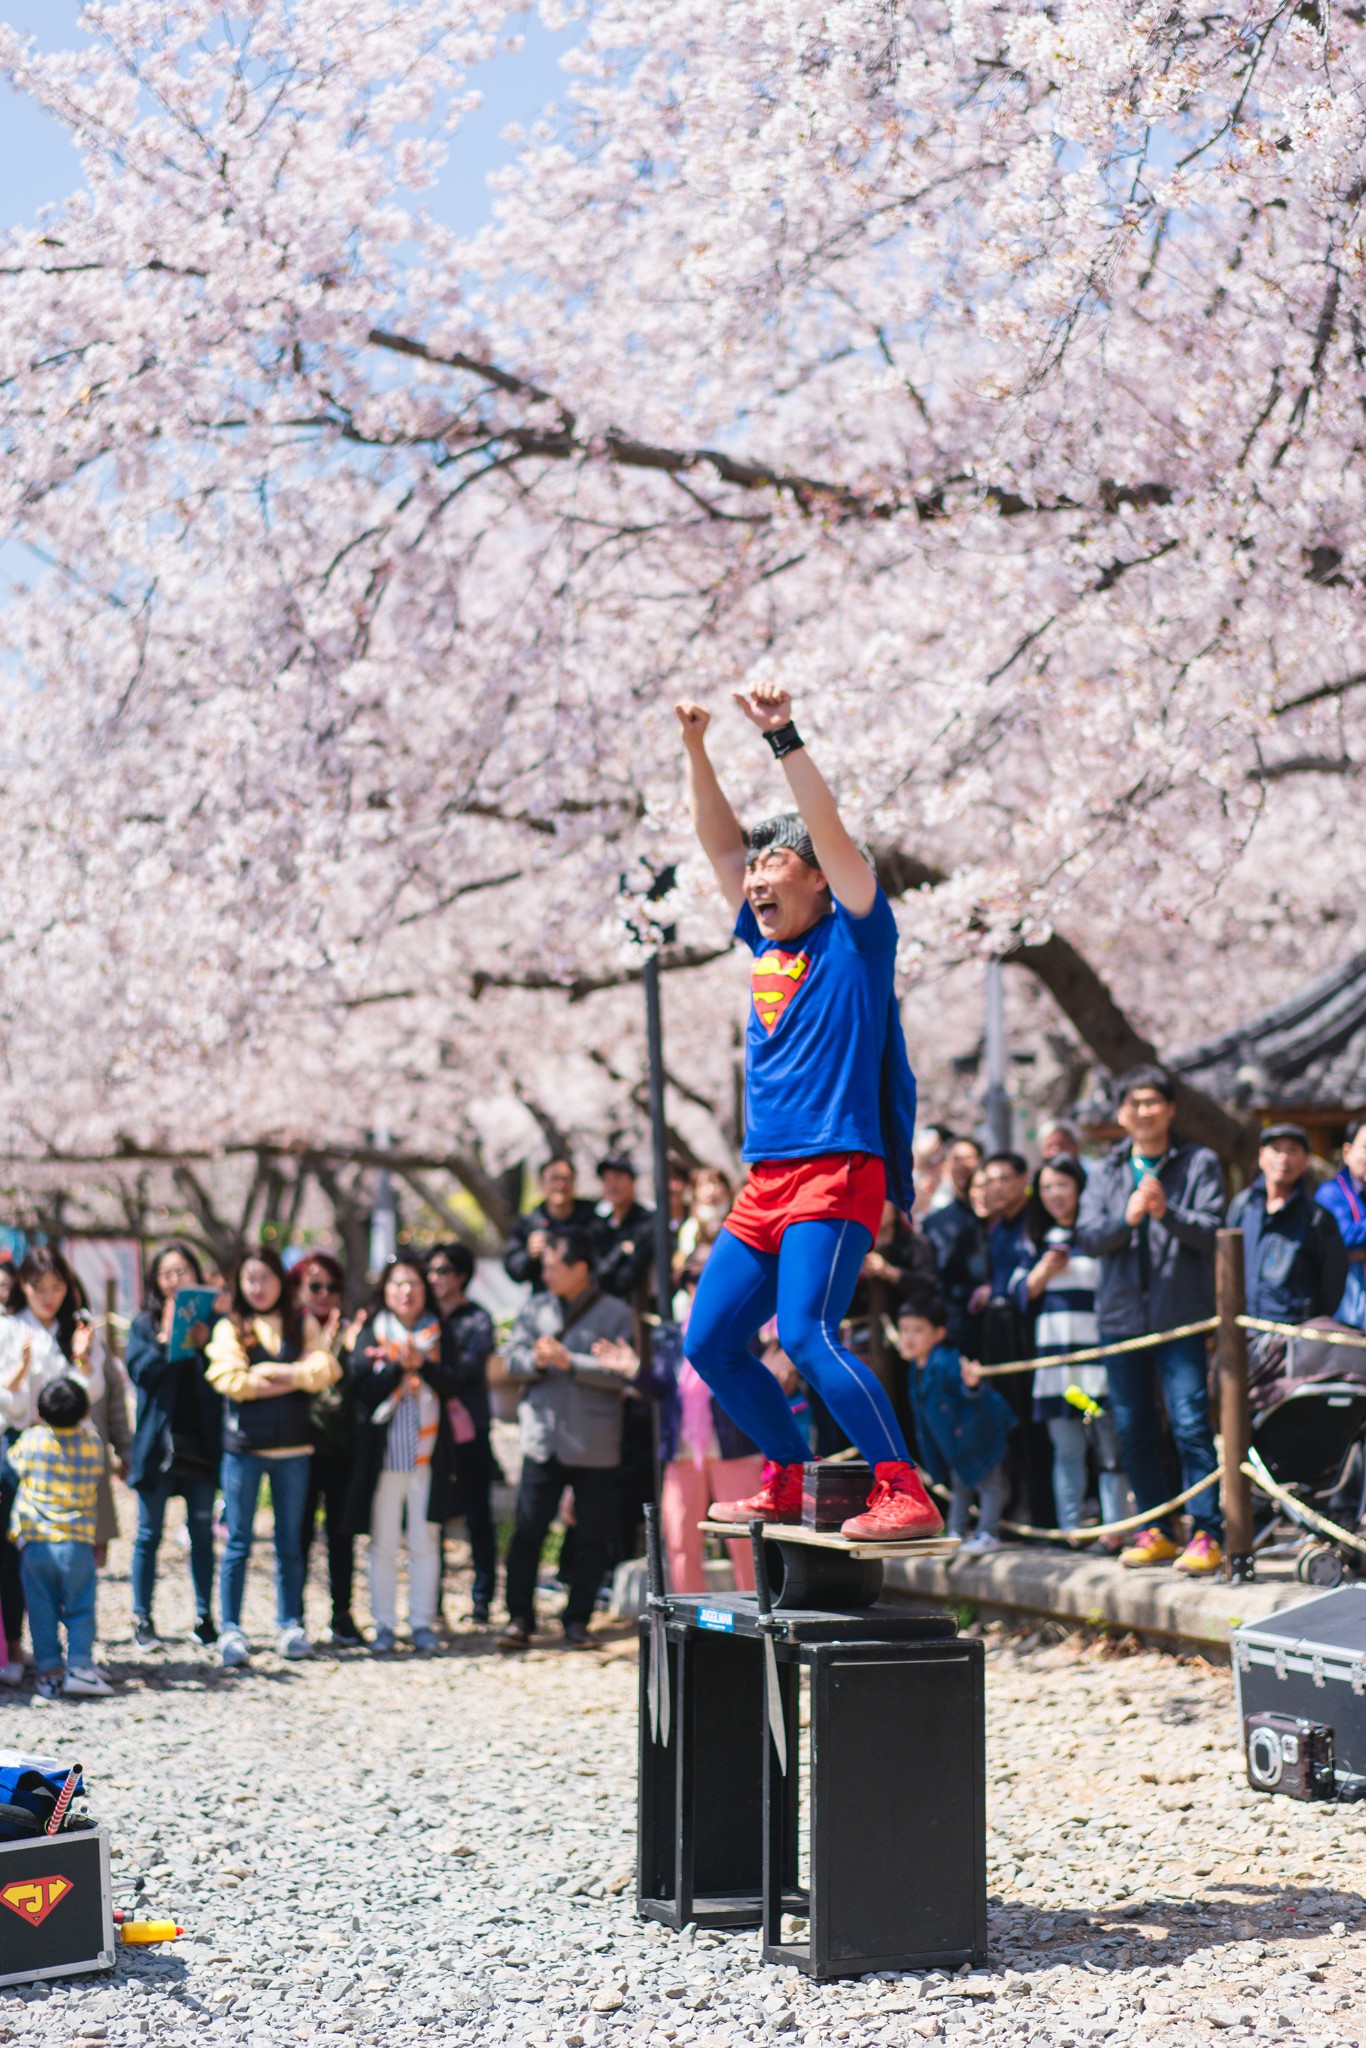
(785, 740)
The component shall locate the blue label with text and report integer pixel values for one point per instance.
(715, 1617)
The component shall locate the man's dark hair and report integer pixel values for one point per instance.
(1146, 1075)
(1358, 1123)
(1014, 1160)
(924, 1302)
(573, 1245)
(557, 1159)
(64, 1404)
(458, 1257)
(786, 831)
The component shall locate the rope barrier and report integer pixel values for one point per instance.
(1263, 1481)
(1102, 1350)
(1075, 1538)
(1352, 1338)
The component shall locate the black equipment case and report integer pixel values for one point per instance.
(1300, 1684)
(56, 1906)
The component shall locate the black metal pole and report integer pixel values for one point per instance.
(659, 1137)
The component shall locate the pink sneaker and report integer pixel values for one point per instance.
(779, 1499)
(899, 1509)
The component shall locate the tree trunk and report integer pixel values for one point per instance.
(222, 1240)
(436, 1202)
(351, 1216)
(1088, 1004)
(1091, 1009)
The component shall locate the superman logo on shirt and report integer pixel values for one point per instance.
(775, 979)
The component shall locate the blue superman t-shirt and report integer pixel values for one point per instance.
(825, 1062)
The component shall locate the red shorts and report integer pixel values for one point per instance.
(840, 1187)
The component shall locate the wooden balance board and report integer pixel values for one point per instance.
(830, 1539)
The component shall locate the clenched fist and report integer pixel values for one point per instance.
(694, 721)
(767, 705)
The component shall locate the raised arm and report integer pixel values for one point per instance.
(715, 823)
(852, 881)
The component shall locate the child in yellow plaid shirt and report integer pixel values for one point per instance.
(58, 1464)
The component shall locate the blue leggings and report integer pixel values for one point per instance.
(810, 1283)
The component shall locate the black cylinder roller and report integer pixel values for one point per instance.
(805, 1575)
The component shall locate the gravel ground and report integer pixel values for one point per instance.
(441, 1851)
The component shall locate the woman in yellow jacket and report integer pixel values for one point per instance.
(267, 1359)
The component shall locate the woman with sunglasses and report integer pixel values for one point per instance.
(320, 1284)
(177, 1440)
(467, 1344)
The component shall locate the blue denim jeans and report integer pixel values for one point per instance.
(990, 1491)
(1180, 1371)
(242, 1476)
(1072, 1440)
(59, 1586)
(198, 1491)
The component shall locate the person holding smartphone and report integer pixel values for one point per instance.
(177, 1440)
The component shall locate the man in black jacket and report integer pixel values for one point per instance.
(467, 1344)
(558, 1209)
(958, 1238)
(1151, 1212)
(623, 1231)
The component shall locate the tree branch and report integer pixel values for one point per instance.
(1319, 693)
(580, 985)
(1087, 1003)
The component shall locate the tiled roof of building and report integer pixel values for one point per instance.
(1310, 1049)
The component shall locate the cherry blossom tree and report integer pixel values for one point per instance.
(993, 374)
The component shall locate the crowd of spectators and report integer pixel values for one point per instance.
(380, 1424)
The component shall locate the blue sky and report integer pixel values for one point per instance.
(38, 164)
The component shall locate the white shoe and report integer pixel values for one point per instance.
(977, 1545)
(84, 1682)
(11, 1673)
(232, 1648)
(294, 1642)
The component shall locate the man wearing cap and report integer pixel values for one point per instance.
(622, 1230)
(829, 1124)
(1294, 1258)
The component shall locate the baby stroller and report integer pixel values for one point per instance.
(1310, 1441)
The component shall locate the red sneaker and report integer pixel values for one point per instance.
(779, 1499)
(899, 1509)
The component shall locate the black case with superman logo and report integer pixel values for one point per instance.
(56, 1909)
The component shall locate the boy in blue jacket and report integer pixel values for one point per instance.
(962, 1426)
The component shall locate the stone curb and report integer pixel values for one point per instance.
(1097, 1592)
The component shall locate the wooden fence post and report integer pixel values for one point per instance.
(1231, 1341)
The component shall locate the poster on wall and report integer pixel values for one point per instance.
(98, 1260)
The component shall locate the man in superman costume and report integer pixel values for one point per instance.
(829, 1116)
